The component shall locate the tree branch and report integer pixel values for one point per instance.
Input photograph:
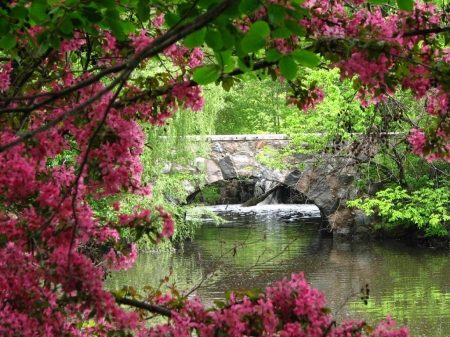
(141, 305)
(427, 31)
(153, 93)
(157, 46)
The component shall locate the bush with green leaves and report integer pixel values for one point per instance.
(426, 209)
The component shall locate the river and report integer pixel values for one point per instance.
(255, 249)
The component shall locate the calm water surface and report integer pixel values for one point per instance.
(253, 251)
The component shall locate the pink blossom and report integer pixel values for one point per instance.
(5, 71)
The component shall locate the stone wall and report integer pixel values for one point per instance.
(325, 180)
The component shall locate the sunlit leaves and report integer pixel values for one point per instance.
(306, 58)
(222, 57)
(206, 74)
(406, 5)
(214, 39)
(288, 67)
(252, 43)
(260, 28)
(195, 39)
(273, 55)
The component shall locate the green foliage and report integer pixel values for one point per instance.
(169, 150)
(338, 115)
(426, 208)
(273, 158)
(250, 107)
(209, 195)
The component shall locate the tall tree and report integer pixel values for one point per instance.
(76, 76)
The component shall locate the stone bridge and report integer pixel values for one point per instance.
(324, 180)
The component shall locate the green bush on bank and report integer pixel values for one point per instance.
(426, 208)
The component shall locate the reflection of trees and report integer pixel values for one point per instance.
(150, 268)
(412, 284)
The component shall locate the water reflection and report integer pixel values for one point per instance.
(410, 283)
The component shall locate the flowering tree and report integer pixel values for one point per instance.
(79, 76)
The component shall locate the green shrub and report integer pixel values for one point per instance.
(426, 208)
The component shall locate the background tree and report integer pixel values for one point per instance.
(78, 82)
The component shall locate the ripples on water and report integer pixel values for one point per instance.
(410, 283)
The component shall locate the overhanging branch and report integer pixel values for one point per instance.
(149, 307)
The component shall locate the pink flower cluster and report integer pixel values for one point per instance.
(5, 72)
(289, 308)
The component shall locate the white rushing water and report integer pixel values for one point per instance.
(283, 212)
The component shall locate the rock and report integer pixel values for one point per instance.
(292, 178)
(200, 164)
(213, 172)
(227, 167)
(361, 219)
(187, 185)
(217, 147)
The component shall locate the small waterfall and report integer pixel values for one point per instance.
(261, 187)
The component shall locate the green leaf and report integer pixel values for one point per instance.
(206, 74)
(252, 43)
(277, 14)
(110, 4)
(306, 58)
(143, 10)
(281, 33)
(19, 12)
(295, 28)
(55, 42)
(66, 27)
(79, 22)
(288, 67)
(207, 3)
(4, 27)
(222, 57)
(91, 14)
(233, 11)
(260, 28)
(128, 27)
(227, 38)
(171, 19)
(248, 6)
(230, 65)
(273, 55)
(38, 14)
(377, 2)
(116, 28)
(112, 14)
(406, 5)
(214, 40)
(245, 65)
(195, 39)
(70, 3)
(299, 14)
(8, 42)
